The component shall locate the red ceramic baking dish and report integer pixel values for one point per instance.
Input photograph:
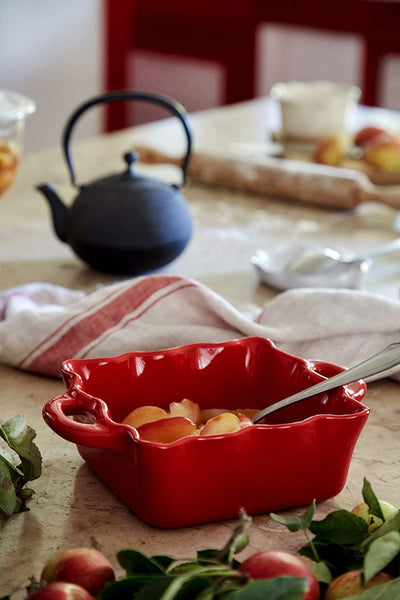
(303, 453)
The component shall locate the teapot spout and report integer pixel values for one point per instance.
(58, 209)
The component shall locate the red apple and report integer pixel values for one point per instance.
(61, 590)
(365, 135)
(274, 563)
(86, 567)
(349, 584)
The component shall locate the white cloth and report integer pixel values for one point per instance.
(41, 324)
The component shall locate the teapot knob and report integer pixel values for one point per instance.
(130, 158)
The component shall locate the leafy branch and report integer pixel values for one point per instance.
(343, 541)
(213, 574)
(20, 462)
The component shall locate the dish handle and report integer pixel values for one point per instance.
(85, 420)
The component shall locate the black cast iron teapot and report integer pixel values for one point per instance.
(124, 223)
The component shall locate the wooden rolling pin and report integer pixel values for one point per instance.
(307, 182)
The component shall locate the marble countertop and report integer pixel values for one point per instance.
(71, 506)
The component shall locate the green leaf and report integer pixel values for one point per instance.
(163, 560)
(218, 572)
(391, 525)
(124, 588)
(371, 500)
(340, 527)
(8, 496)
(195, 569)
(321, 572)
(186, 568)
(173, 588)
(237, 541)
(138, 563)
(208, 594)
(338, 558)
(208, 555)
(26, 493)
(295, 523)
(385, 591)
(9, 459)
(154, 589)
(193, 588)
(212, 557)
(380, 553)
(280, 588)
(19, 436)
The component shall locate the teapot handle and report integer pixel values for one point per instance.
(171, 105)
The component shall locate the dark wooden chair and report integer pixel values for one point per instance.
(225, 31)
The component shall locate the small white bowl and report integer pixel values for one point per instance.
(314, 109)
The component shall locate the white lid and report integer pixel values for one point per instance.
(309, 91)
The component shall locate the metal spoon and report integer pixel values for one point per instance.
(328, 259)
(384, 360)
(318, 267)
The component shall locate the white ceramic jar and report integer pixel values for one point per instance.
(314, 109)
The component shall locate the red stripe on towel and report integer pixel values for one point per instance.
(64, 324)
(86, 327)
(138, 316)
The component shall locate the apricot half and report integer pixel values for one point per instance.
(330, 151)
(145, 414)
(224, 423)
(186, 408)
(166, 431)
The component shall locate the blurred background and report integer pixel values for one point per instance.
(202, 54)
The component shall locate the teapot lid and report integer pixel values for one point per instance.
(128, 178)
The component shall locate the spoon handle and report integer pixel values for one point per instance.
(382, 361)
(388, 248)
